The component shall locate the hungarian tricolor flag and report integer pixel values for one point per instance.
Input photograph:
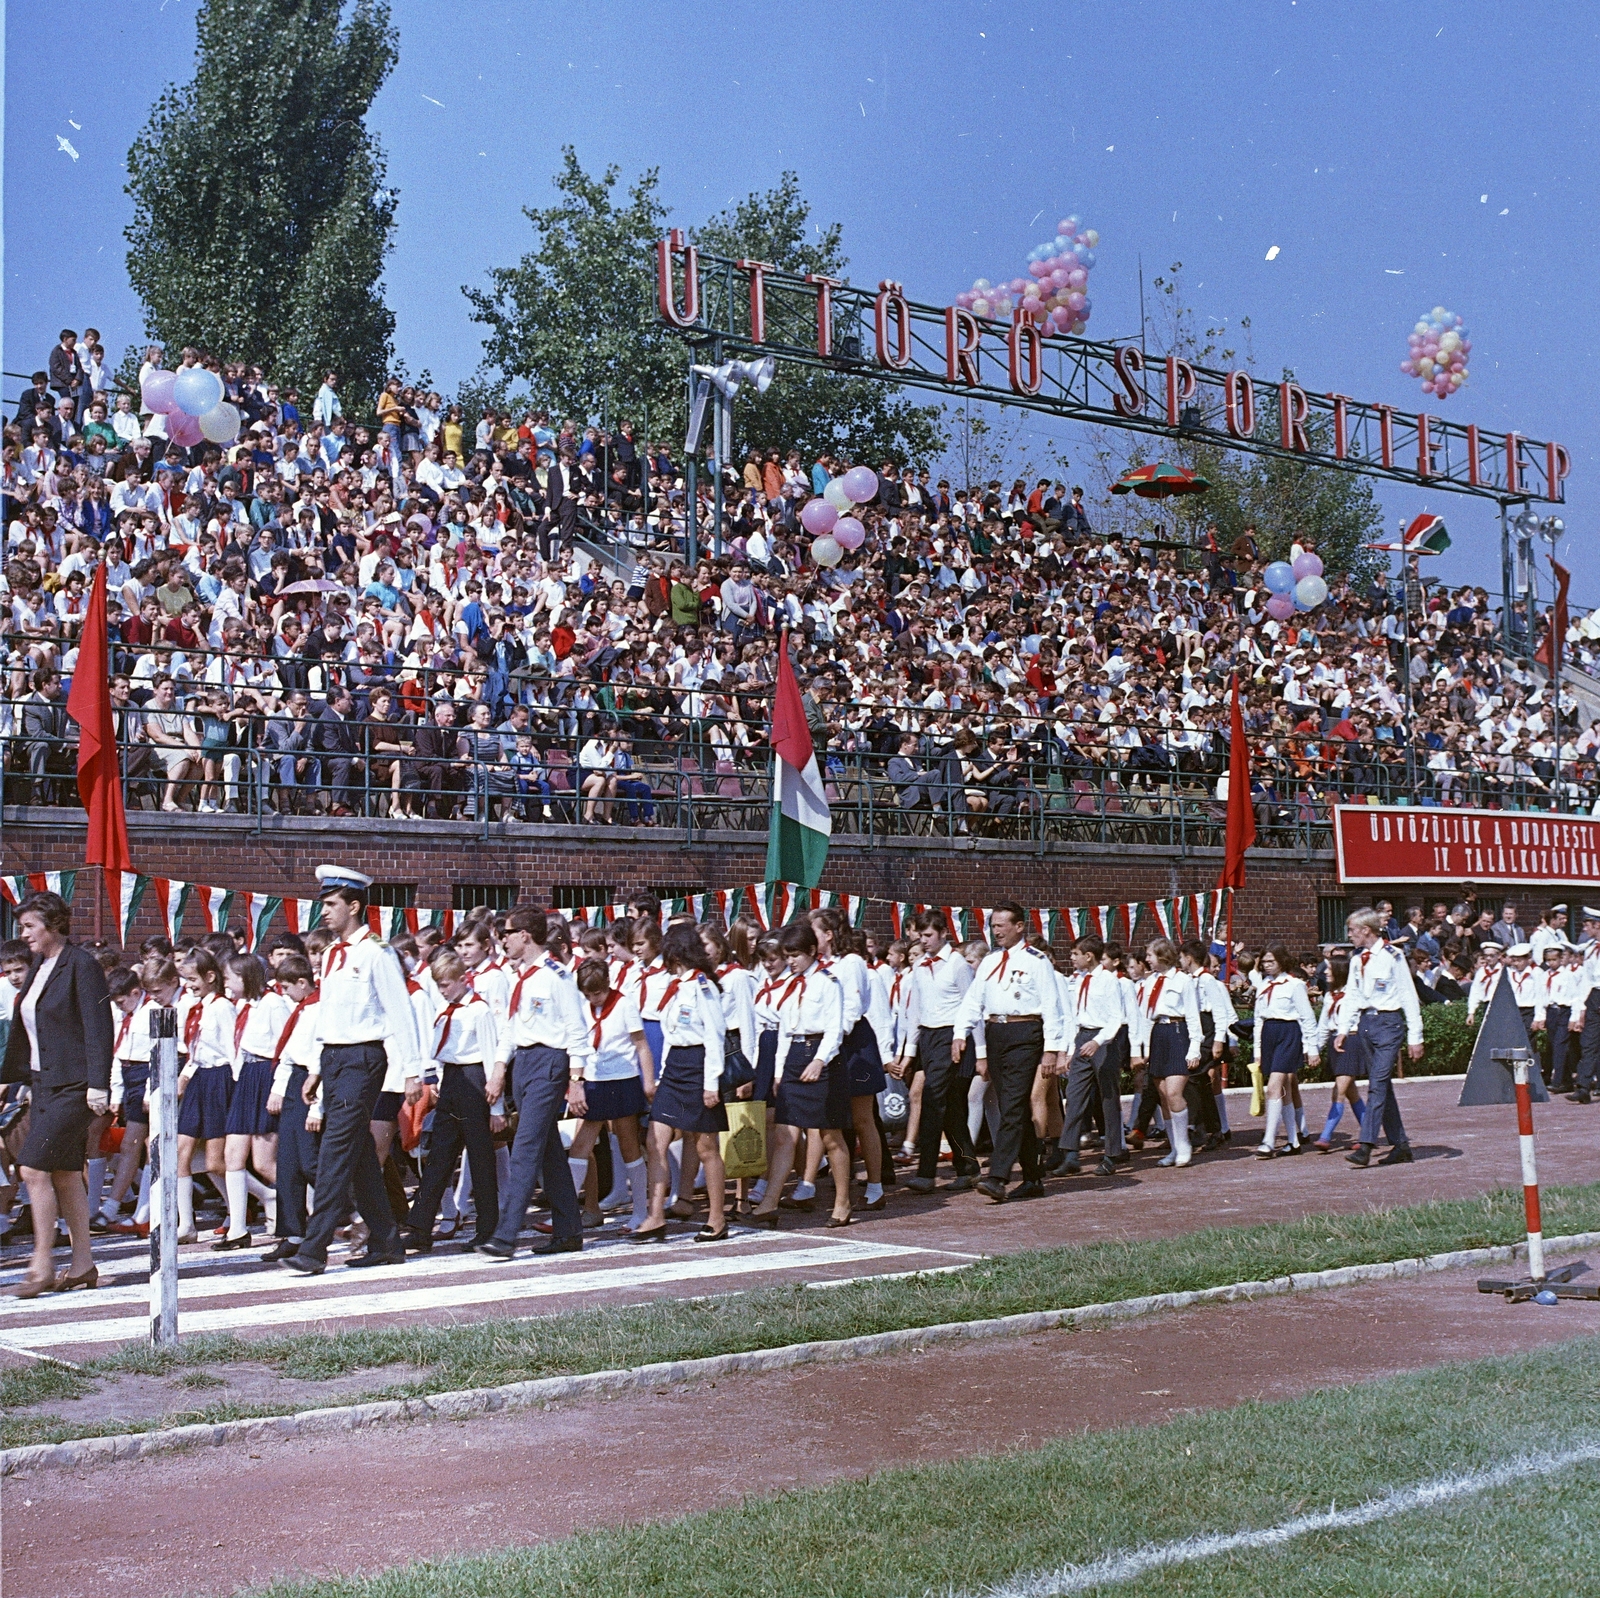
(797, 838)
(1425, 536)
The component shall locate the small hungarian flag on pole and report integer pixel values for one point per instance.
(797, 838)
(1425, 536)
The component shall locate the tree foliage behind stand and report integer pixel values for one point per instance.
(261, 215)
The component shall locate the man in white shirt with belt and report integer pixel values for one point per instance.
(364, 1024)
(1012, 1012)
(544, 1049)
(1586, 1008)
(1096, 1016)
(1380, 1004)
(939, 981)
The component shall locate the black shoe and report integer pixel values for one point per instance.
(569, 1245)
(1581, 1096)
(305, 1264)
(1121, 1159)
(362, 1261)
(920, 1184)
(964, 1184)
(1063, 1163)
(99, 1225)
(1361, 1154)
(496, 1250)
(1399, 1156)
(1030, 1190)
(284, 1251)
(1106, 1167)
(992, 1190)
(415, 1242)
(228, 1245)
(19, 1229)
(1293, 1148)
(807, 1205)
(706, 1235)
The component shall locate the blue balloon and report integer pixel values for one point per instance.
(1279, 577)
(196, 391)
(1085, 255)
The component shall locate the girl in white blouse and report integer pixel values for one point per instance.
(252, 1134)
(1286, 1033)
(688, 1093)
(813, 1083)
(1348, 1062)
(205, 1083)
(619, 1082)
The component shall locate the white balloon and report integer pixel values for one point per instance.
(825, 551)
(221, 424)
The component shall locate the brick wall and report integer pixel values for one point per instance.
(1281, 900)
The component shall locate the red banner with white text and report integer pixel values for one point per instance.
(1398, 843)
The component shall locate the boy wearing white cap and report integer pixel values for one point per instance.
(364, 1020)
(1586, 1007)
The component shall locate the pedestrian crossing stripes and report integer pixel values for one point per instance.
(319, 1308)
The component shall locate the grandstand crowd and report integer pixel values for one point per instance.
(434, 614)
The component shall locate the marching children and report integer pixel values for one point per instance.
(205, 1082)
(1169, 1042)
(252, 1132)
(1285, 1033)
(619, 1083)
(1348, 1065)
(295, 1052)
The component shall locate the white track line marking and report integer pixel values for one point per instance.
(495, 1290)
(1113, 1569)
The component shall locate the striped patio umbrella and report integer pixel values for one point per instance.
(1160, 481)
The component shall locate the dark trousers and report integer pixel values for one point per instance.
(434, 777)
(1015, 1049)
(944, 1105)
(1097, 1080)
(1556, 1017)
(460, 1120)
(348, 1173)
(341, 769)
(1382, 1033)
(1589, 1053)
(297, 1158)
(539, 1088)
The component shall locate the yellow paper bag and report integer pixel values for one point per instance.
(1258, 1099)
(744, 1144)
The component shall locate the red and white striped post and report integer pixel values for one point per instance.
(1530, 1173)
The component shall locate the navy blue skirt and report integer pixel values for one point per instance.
(203, 1109)
(615, 1099)
(766, 1065)
(1169, 1049)
(863, 1061)
(823, 1103)
(736, 1069)
(680, 1094)
(1283, 1048)
(247, 1110)
(135, 1079)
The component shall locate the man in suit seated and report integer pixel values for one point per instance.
(912, 783)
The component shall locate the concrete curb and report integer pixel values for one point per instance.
(527, 1395)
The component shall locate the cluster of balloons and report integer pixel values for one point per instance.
(828, 517)
(1055, 291)
(1296, 587)
(191, 400)
(1439, 351)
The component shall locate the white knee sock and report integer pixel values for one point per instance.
(238, 1203)
(674, 1170)
(141, 1215)
(1269, 1138)
(97, 1183)
(975, 1095)
(618, 1196)
(1180, 1136)
(256, 1188)
(634, 1173)
(580, 1170)
(185, 1204)
(1300, 1121)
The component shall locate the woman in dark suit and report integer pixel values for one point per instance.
(60, 1044)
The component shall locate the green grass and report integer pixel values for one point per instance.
(494, 1352)
(966, 1526)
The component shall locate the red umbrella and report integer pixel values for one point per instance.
(1160, 481)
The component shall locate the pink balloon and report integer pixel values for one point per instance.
(1076, 301)
(1280, 607)
(183, 428)
(817, 516)
(156, 392)
(1307, 565)
(849, 533)
(860, 484)
(1038, 269)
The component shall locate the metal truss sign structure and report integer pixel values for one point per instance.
(748, 307)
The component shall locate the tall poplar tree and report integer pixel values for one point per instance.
(261, 215)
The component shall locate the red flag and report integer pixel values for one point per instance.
(1558, 622)
(89, 704)
(1241, 808)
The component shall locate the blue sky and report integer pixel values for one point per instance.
(1399, 155)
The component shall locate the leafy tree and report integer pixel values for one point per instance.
(809, 408)
(261, 216)
(576, 321)
(575, 318)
